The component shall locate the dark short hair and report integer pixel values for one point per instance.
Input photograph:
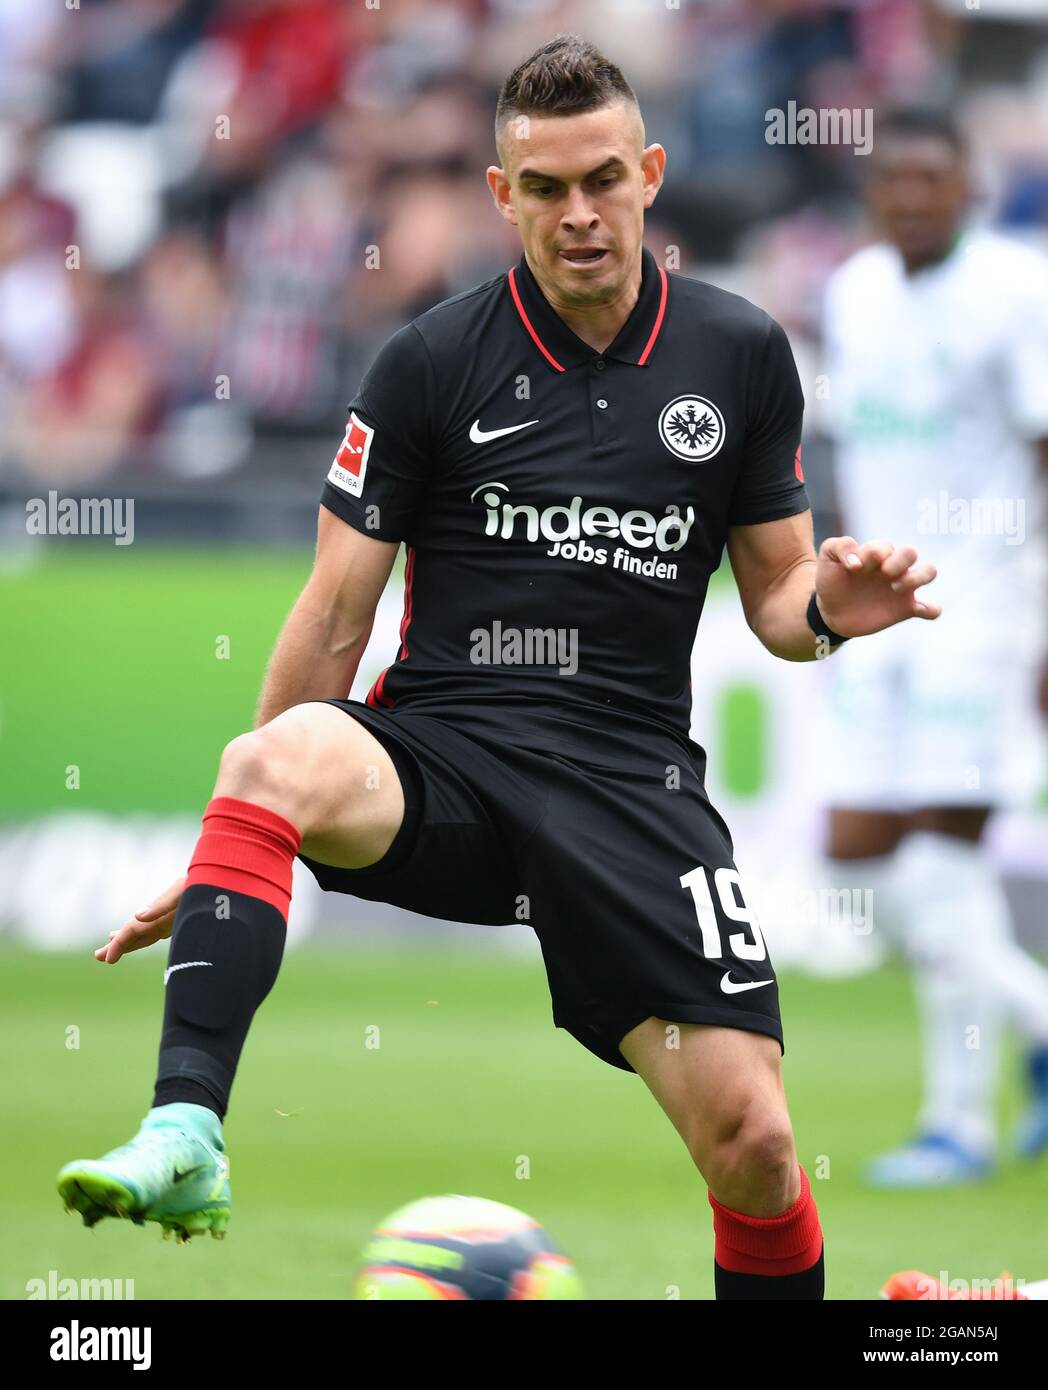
(921, 123)
(562, 78)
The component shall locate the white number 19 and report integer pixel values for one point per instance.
(726, 882)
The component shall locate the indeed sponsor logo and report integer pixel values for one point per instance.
(570, 522)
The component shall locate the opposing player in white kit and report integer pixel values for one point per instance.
(937, 374)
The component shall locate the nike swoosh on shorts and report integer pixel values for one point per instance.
(730, 986)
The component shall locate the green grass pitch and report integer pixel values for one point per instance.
(137, 666)
(470, 1086)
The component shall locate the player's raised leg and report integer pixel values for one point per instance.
(313, 778)
(722, 1089)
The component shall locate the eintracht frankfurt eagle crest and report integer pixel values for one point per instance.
(692, 428)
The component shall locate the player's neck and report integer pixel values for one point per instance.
(933, 258)
(599, 326)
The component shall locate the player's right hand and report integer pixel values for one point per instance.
(152, 924)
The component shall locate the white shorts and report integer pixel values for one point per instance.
(934, 714)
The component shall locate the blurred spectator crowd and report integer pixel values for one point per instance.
(212, 212)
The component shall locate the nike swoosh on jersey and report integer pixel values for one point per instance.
(730, 986)
(480, 436)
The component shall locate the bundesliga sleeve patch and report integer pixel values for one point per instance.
(350, 463)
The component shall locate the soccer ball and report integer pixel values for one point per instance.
(463, 1247)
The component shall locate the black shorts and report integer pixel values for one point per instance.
(600, 839)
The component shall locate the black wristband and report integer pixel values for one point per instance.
(819, 626)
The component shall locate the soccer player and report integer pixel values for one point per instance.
(937, 371)
(564, 450)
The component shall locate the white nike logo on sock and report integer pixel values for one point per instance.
(186, 965)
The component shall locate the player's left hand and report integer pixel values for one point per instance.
(864, 588)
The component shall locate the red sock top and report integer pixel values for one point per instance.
(785, 1244)
(246, 849)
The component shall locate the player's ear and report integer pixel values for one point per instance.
(498, 183)
(653, 167)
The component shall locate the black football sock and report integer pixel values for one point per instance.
(807, 1284)
(226, 948)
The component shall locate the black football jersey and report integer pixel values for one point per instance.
(563, 509)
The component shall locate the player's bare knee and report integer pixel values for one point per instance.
(752, 1161)
(265, 767)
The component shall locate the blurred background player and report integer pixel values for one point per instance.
(937, 378)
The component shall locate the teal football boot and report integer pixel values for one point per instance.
(174, 1171)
